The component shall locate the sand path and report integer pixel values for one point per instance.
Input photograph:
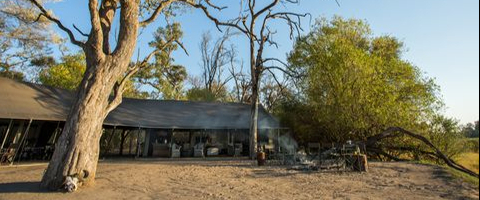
(242, 180)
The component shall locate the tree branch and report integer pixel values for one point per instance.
(233, 23)
(45, 13)
(82, 33)
(395, 131)
(162, 5)
(283, 70)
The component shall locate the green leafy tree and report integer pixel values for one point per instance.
(68, 74)
(217, 93)
(21, 40)
(471, 130)
(166, 78)
(446, 134)
(355, 84)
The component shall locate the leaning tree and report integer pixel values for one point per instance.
(108, 69)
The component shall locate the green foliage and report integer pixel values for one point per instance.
(163, 76)
(200, 94)
(67, 74)
(22, 38)
(471, 130)
(355, 85)
(472, 144)
(204, 94)
(445, 134)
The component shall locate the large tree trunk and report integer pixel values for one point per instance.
(254, 109)
(77, 150)
(254, 122)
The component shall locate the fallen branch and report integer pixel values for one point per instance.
(397, 131)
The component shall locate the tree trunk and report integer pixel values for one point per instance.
(254, 124)
(254, 109)
(77, 150)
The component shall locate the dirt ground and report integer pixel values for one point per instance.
(195, 179)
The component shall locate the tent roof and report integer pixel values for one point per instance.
(20, 100)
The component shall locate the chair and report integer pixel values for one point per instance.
(238, 149)
(8, 156)
(198, 150)
(176, 150)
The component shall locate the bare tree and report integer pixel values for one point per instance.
(108, 69)
(241, 89)
(215, 58)
(253, 22)
(273, 90)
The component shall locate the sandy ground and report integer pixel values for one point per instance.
(241, 180)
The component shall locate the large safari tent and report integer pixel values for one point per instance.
(32, 117)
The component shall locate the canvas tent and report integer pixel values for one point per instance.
(28, 101)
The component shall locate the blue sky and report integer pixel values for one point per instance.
(441, 38)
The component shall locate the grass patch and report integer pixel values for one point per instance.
(469, 160)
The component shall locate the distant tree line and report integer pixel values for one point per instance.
(471, 130)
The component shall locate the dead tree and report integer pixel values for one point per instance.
(107, 70)
(253, 23)
(215, 57)
(372, 145)
(241, 90)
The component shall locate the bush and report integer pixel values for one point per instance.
(472, 144)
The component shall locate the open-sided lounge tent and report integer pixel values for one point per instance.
(26, 105)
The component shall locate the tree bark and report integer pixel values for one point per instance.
(77, 150)
(254, 122)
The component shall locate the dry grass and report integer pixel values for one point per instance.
(469, 160)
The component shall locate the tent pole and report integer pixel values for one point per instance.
(56, 132)
(25, 134)
(6, 133)
(137, 150)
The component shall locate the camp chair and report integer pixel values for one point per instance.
(176, 150)
(238, 149)
(8, 156)
(198, 150)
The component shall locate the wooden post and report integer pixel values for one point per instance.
(22, 142)
(137, 149)
(6, 133)
(56, 132)
(146, 142)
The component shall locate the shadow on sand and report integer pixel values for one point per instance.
(21, 187)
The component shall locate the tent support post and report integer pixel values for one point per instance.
(137, 150)
(278, 139)
(56, 132)
(6, 133)
(22, 142)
